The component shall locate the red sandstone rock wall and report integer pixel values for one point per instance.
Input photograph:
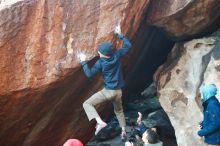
(39, 39)
(42, 86)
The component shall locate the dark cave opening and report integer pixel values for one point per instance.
(152, 47)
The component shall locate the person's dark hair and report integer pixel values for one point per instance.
(152, 136)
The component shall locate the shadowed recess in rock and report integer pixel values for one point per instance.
(152, 49)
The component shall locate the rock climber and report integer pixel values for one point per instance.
(109, 66)
(210, 126)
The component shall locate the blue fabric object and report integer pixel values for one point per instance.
(110, 67)
(105, 48)
(207, 91)
(141, 128)
(211, 121)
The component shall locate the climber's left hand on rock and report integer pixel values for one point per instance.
(82, 57)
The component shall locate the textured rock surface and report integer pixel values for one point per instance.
(184, 18)
(150, 91)
(160, 120)
(39, 40)
(41, 84)
(189, 65)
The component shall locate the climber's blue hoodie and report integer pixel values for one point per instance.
(211, 122)
(110, 67)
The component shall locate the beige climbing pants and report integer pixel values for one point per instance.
(105, 95)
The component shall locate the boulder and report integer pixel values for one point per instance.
(188, 66)
(144, 106)
(185, 18)
(42, 86)
(160, 120)
(150, 91)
